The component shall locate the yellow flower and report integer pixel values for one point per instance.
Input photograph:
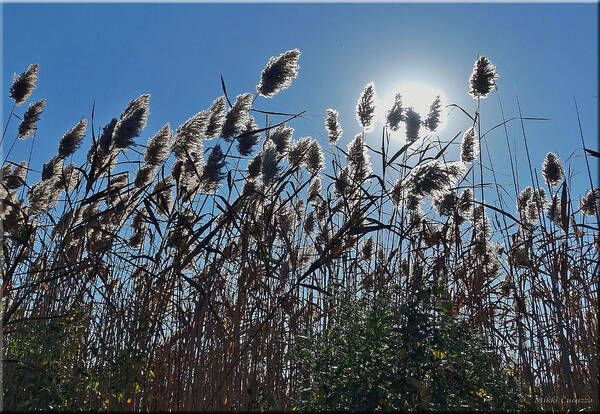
(438, 354)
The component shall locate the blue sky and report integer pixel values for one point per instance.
(111, 53)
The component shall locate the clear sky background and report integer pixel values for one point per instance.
(111, 53)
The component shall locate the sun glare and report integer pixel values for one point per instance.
(417, 95)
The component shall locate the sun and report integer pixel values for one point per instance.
(416, 95)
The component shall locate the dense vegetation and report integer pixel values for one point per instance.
(223, 266)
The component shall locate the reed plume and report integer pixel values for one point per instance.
(28, 125)
(282, 137)
(445, 203)
(395, 114)
(158, 147)
(483, 78)
(552, 170)
(144, 175)
(132, 122)
(434, 176)
(270, 162)
(314, 191)
(71, 141)
(24, 84)
(17, 178)
(213, 170)
(52, 168)
(589, 204)
(365, 107)
(248, 139)
(255, 166)
(189, 136)
(278, 73)
(315, 160)
(358, 158)
(40, 196)
(413, 125)
(68, 179)
(469, 148)
(298, 152)
(332, 126)
(237, 116)
(217, 117)
(433, 118)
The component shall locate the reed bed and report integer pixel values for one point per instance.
(179, 274)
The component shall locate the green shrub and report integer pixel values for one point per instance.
(381, 355)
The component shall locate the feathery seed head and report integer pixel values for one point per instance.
(30, 117)
(278, 73)
(342, 181)
(192, 171)
(310, 223)
(237, 116)
(465, 201)
(523, 199)
(270, 167)
(396, 193)
(52, 168)
(434, 176)
(164, 195)
(145, 175)
(554, 210)
(13, 214)
(395, 114)
(365, 107)
(299, 151)
(332, 126)
(189, 136)
(106, 139)
(68, 178)
(413, 202)
(250, 189)
(24, 84)
(470, 146)
(413, 124)
(248, 138)
(137, 239)
(590, 202)
(433, 118)
(213, 170)
(415, 217)
(217, 117)
(72, 139)
(102, 148)
(483, 78)
(282, 137)
(157, 150)
(40, 196)
(177, 169)
(481, 223)
(255, 166)
(5, 170)
(358, 158)
(552, 170)
(286, 218)
(132, 121)
(367, 248)
(539, 197)
(17, 178)
(445, 202)
(314, 190)
(315, 160)
(138, 222)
